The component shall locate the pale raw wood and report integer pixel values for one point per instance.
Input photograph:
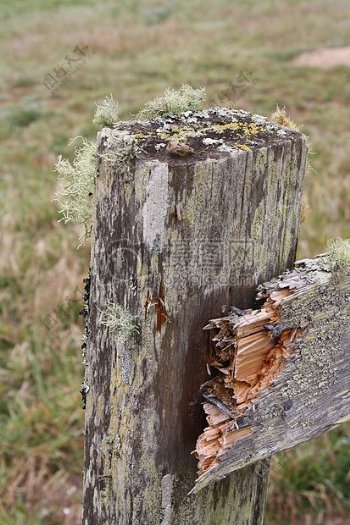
(174, 240)
(299, 388)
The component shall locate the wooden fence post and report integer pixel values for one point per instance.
(209, 209)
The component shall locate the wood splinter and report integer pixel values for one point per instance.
(282, 370)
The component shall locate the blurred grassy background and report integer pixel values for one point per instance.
(243, 52)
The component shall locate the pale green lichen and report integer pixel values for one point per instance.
(339, 251)
(258, 222)
(174, 102)
(121, 149)
(196, 202)
(76, 186)
(107, 112)
(120, 321)
(314, 372)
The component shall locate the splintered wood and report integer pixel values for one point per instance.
(274, 369)
(250, 348)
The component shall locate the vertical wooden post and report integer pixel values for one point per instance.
(180, 237)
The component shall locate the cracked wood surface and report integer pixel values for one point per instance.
(283, 369)
(174, 241)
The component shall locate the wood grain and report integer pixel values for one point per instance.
(176, 242)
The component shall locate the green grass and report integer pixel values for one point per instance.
(242, 51)
(310, 484)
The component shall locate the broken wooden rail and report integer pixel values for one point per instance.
(282, 370)
(209, 209)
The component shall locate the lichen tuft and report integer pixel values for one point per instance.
(339, 251)
(76, 186)
(107, 112)
(174, 102)
(121, 149)
(119, 320)
(280, 117)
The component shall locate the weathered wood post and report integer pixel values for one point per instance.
(186, 231)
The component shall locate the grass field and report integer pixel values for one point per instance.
(243, 53)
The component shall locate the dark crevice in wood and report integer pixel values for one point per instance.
(158, 303)
(176, 215)
(162, 315)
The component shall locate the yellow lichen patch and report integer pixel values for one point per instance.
(164, 136)
(181, 133)
(248, 129)
(220, 128)
(251, 129)
(180, 136)
(178, 129)
(244, 147)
